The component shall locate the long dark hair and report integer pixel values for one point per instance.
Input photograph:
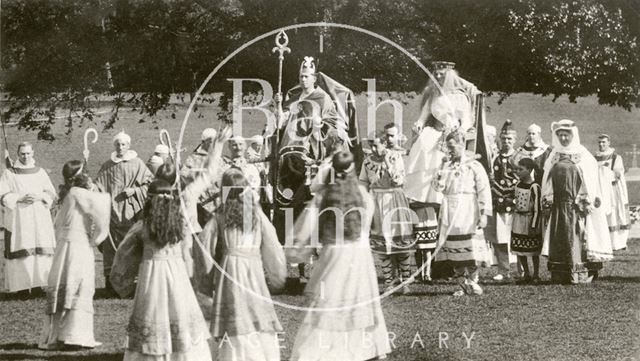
(343, 194)
(239, 195)
(163, 216)
(74, 175)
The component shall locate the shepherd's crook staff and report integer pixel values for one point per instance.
(85, 152)
(282, 40)
(165, 139)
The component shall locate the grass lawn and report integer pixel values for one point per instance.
(600, 321)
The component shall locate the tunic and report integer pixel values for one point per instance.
(114, 177)
(615, 193)
(344, 320)
(567, 253)
(526, 235)
(467, 195)
(29, 239)
(81, 222)
(391, 229)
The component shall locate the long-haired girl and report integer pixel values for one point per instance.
(81, 223)
(344, 320)
(244, 243)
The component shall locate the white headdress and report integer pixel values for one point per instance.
(122, 136)
(208, 133)
(161, 149)
(534, 128)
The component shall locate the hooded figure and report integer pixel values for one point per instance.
(577, 235)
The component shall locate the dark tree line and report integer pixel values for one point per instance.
(64, 54)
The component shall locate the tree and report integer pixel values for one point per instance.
(583, 48)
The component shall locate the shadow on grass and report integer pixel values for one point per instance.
(618, 279)
(20, 296)
(63, 357)
(19, 346)
(430, 294)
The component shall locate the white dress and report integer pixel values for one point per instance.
(81, 222)
(243, 320)
(344, 320)
(166, 322)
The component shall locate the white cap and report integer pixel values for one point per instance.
(208, 133)
(161, 149)
(534, 128)
(122, 136)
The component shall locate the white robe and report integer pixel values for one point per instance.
(615, 195)
(28, 252)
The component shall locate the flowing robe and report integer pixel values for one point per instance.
(614, 187)
(576, 237)
(310, 117)
(114, 177)
(29, 239)
(244, 321)
(81, 222)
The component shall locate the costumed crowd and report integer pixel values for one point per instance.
(169, 231)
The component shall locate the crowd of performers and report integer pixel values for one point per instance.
(167, 234)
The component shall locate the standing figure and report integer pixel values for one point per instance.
(577, 237)
(534, 148)
(614, 192)
(81, 223)
(193, 167)
(344, 320)
(244, 244)
(447, 104)
(309, 113)
(526, 230)
(465, 208)
(502, 192)
(26, 196)
(125, 177)
(391, 231)
(166, 322)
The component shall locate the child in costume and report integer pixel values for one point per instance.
(391, 231)
(344, 320)
(526, 235)
(245, 245)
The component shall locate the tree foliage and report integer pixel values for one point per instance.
(67, 54)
